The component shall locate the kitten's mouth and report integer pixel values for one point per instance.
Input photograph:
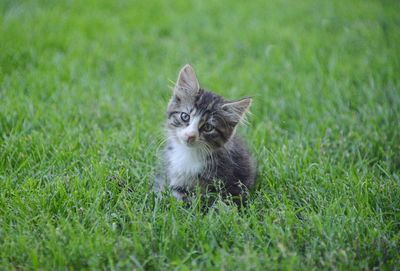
(190, 144)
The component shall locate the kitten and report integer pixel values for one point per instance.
(202, 149)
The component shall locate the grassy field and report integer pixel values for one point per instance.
(83, 91)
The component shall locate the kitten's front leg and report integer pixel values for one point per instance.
(160, 184)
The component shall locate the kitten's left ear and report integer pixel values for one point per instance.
(187, 81)
(236, 110)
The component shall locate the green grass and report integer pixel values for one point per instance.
(83, 91)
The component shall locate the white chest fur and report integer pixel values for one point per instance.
(185, 164)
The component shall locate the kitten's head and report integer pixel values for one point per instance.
(199, 118)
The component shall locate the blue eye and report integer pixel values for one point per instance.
(185, 117)
(208, 127)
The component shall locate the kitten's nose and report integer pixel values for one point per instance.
(190, 137)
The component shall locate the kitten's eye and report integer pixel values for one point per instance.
(208, 127)
(185, 117)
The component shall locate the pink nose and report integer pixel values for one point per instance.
(190, 138)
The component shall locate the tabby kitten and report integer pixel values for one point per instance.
(202, 149)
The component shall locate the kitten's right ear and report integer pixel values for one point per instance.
(187, 83)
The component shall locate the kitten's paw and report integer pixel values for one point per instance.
(179, 193)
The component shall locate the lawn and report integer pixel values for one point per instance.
(83, 92)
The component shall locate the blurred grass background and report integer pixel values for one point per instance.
(83, 91)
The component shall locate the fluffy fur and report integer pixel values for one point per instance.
(202, 149)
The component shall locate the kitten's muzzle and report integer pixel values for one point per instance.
(190, 138)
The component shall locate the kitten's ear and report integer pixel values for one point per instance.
(187, 83)
(236, 110)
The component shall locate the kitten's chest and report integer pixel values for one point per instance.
(184, 165)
